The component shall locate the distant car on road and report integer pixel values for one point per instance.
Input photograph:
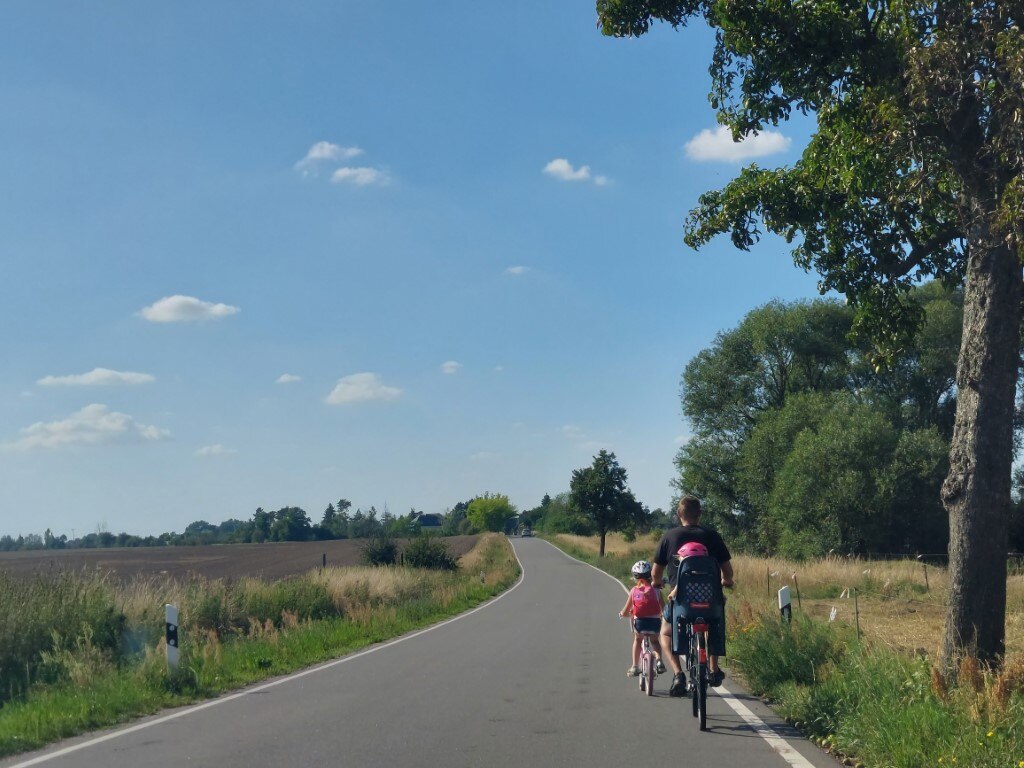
(526, 532)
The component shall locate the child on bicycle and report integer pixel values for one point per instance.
(644, 605)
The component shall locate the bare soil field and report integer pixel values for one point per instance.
(224, 561)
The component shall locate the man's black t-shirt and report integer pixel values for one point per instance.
(665, 555)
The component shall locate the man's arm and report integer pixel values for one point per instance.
(727, 573)
(656, 573)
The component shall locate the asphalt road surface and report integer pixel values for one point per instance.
(535, 677)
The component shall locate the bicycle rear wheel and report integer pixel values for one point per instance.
(649, 672)
(691, 669)
(700, 696)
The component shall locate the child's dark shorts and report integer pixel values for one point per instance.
(649, 625)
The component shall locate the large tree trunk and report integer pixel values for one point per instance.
(976, 492)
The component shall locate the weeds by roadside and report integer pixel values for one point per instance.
(82, 675)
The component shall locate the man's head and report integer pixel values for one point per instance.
(689, 510)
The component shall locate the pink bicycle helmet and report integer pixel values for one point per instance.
(691, 549)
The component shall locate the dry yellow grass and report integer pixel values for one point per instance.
(614, 544)
(896, 606)
(366, 585)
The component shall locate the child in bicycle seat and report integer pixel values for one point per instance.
(644, 605)
(689, 549)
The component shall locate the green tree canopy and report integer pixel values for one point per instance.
(759, 385)
(291, 524)
(490, 512)
(599, 494)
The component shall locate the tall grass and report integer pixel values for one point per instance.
(75, 672)
(50, 613)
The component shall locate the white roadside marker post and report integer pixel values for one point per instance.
(171, 635)
(785, 606)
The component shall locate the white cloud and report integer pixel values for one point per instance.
(483, 456)
(361, 387)
(287, 378)
(562, 169)
(451, 367)
(91, 425)
(215, 450)
(572, 432)
(499, 368)
(515, 271)
(361, 177)
(324, 152)
(97, 377)
(183, 309)
(718, 144)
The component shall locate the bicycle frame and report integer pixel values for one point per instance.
(647, 665)
(697, 668)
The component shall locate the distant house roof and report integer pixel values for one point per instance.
(431, 521)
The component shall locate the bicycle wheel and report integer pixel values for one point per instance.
(700, 695)
(700, 681)
(643, 669)
(649, 672)
(691, 669)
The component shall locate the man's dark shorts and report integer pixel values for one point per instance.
(716, 632)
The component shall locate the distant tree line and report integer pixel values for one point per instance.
(285, 524)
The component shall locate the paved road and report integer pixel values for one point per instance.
(535, 678)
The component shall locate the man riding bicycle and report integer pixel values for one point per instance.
(665, 556)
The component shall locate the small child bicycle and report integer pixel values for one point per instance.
(644, 605)
(648, 665)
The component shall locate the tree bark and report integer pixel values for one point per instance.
(976, 493)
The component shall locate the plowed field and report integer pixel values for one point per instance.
(227, 561)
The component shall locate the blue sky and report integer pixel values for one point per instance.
(264, 254)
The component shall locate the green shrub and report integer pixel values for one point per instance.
(380, 550)
(771, 651)
(301, 596)
(429, 552)
(207, 606)
(48, 613)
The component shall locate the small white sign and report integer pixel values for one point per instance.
(783, 598)
(171, 635)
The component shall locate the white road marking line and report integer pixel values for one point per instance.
(780, 746)
(264, 686)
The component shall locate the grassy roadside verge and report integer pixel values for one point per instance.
(869, 702)
(80, 684)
